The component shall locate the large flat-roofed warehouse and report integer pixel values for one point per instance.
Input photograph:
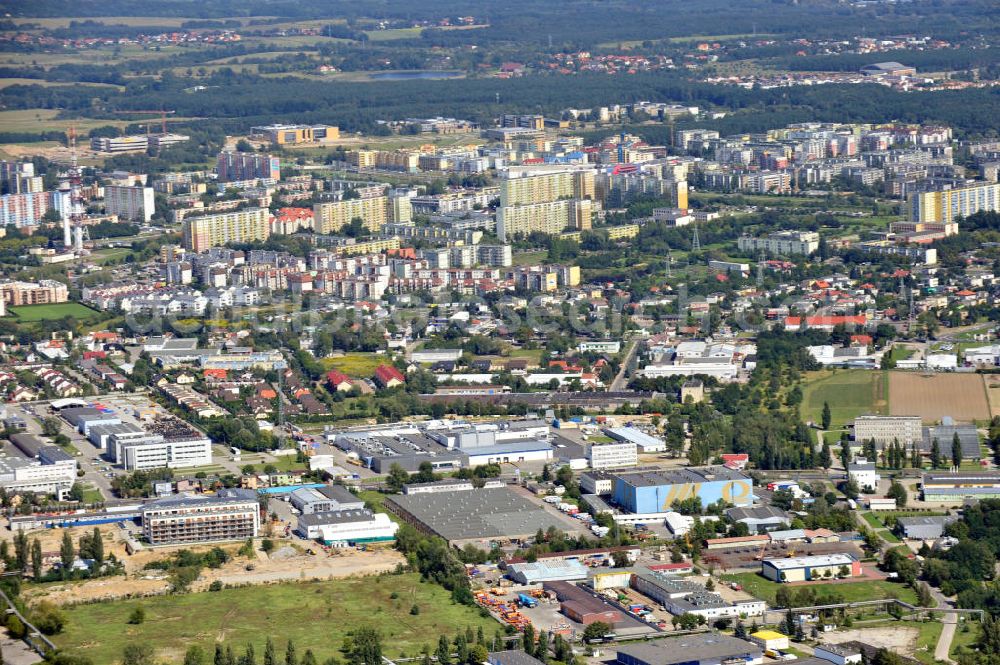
(484, 515)
(699, 649)
(378, 451)
(961, 485)
(408, 445)
(657, 491)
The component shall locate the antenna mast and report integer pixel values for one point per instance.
(75, 198)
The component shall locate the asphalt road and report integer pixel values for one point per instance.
(949, 623)
(620, 381)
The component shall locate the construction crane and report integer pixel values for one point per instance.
(160, 112)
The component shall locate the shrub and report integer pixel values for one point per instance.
(48, 618)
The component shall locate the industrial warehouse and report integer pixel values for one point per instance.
(481, 516)
(703, 649)
(955, 486)
(136, 433)
(31, 465)
(657, 491)
(446, 446)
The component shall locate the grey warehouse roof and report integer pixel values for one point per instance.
(690, 648)
(681, 476)
(481, 513)
(335, 517)
(512, 657)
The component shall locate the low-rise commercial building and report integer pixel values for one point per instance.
(805, 568)
(697, 649)
(645, 443)
(769, 640)
(37, 468)
(612, 455)
(921, 527)
(683, 597)
(347, 527)
(961, 485)
(547, 571)
(331, 498)
(760, 519)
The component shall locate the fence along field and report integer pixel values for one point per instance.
(934, 396)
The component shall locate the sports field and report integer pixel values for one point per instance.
(850, 393)
(934, 396)
(29, 313)
(315, 615)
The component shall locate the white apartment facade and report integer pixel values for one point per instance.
(782, 243)
(612, 455)
(228, 515)
(129, 203)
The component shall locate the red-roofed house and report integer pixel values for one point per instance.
(828, 323)
(735, 460)
(338, 381)
(388, 376)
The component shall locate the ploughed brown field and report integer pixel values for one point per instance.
(934, 396)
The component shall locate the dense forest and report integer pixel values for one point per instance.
(230, 102)
(576, 22)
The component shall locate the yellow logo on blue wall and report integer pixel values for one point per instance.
(734, 492)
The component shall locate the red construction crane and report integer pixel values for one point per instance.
(160, 112)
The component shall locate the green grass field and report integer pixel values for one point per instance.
(873, 521)
(7, 82)
(850, 393)
(29, 313)
(315, 615)
(927, 640)
(358, 365)
(529, 258)
(393, 33)
(851, 592)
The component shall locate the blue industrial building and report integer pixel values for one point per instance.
(657, 491)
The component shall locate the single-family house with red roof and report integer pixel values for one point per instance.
(388, 376)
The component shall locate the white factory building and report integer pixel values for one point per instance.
(646, 443)
(53, 471)
(347, 527)
(612, 455)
